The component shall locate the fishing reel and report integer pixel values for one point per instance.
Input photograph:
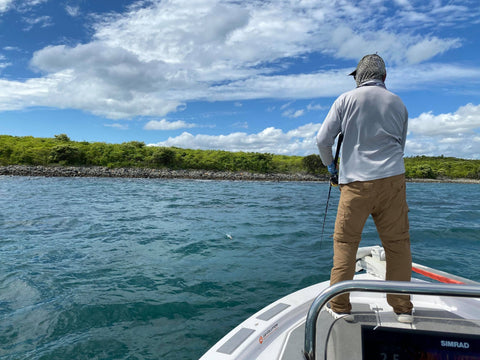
(334, 180)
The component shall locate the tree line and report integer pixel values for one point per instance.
(61, 151)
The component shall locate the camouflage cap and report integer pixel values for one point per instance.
(371, 67)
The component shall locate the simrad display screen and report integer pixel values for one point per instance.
(402, 344)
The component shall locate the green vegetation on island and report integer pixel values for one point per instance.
(61, 151)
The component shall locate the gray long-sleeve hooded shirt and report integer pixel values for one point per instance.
(374, 123)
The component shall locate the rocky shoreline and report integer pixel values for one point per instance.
(98, 171)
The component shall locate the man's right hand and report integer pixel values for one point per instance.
(332, 168)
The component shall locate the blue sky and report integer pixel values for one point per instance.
(247, 75)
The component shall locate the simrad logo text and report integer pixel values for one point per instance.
(455, 344)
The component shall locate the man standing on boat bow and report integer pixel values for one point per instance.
(373, 122)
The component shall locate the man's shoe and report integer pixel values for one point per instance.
(406, 318)
(348, 317)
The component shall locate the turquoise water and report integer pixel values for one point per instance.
(155, 269)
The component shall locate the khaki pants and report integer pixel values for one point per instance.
(385, 200)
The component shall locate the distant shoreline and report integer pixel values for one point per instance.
(98, 171)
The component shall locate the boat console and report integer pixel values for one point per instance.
(393, 343)
(441, 329)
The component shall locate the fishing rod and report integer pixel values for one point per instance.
(333, 182)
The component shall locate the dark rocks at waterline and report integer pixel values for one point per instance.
(98, 171)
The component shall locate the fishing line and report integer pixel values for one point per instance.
(325, 216)
(333, 182)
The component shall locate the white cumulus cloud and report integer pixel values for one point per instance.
(167, 125)
(452, 134)
(428, 48)
(270, 140)
(466, 120)
(5, 4)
